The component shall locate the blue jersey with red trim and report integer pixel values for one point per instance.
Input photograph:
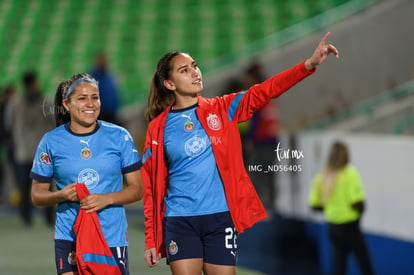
(219, 118)
(98, 159)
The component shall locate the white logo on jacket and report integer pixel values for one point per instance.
(213, 122)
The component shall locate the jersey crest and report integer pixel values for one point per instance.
(213, 122)
(86, 153)
(173, 248)
(188, 126)
(72, 258)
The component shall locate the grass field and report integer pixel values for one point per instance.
(30, 251)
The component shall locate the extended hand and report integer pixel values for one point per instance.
(321, 53)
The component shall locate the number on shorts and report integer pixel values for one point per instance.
(231, 237)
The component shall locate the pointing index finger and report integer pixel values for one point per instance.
(324, 39)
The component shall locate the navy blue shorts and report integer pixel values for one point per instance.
(66, 260)
(210, 237)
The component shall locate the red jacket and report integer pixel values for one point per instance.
(93, 255)
(219, 117)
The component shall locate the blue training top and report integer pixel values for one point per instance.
(194, 183)
(97, 159)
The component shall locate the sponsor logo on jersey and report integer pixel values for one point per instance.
(85, 142)
(173, 248)
(213, 122)
(44, 158)
(86, 153)
(195, 146)
(89, 177)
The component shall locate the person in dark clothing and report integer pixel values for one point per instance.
(261, 139)
(7, 95)
(28, 126)
(108, 89)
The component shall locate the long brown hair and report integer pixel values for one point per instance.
(338, 158)
(159, 97)
(61, 115)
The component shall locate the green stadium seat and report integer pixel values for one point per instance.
(60, 38)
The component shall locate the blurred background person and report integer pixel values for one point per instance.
(2, 147)
(108, 89)
(261, 138)
(7, 157)
(338, 192)
(29, 123)
(259, 135)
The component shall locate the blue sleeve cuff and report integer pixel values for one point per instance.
(132, 167)
(40, 178)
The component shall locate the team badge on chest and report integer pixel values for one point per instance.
(188, 126)
(86, 153)
(213, 122)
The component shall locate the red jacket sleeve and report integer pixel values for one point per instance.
(259, 95)
(154, 175)
(148, 197)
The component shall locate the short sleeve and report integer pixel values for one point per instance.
(356, 192)
(130, 159)
(42, 168)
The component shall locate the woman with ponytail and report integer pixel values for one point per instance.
(97, 154)
(198, 196)
(338, 192)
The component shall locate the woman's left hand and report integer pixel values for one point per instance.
(95, 202)
(321, 53)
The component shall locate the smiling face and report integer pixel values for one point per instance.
(84, 107)
(186, 79)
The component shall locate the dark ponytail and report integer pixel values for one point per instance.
(159, 97)
(61, 115)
